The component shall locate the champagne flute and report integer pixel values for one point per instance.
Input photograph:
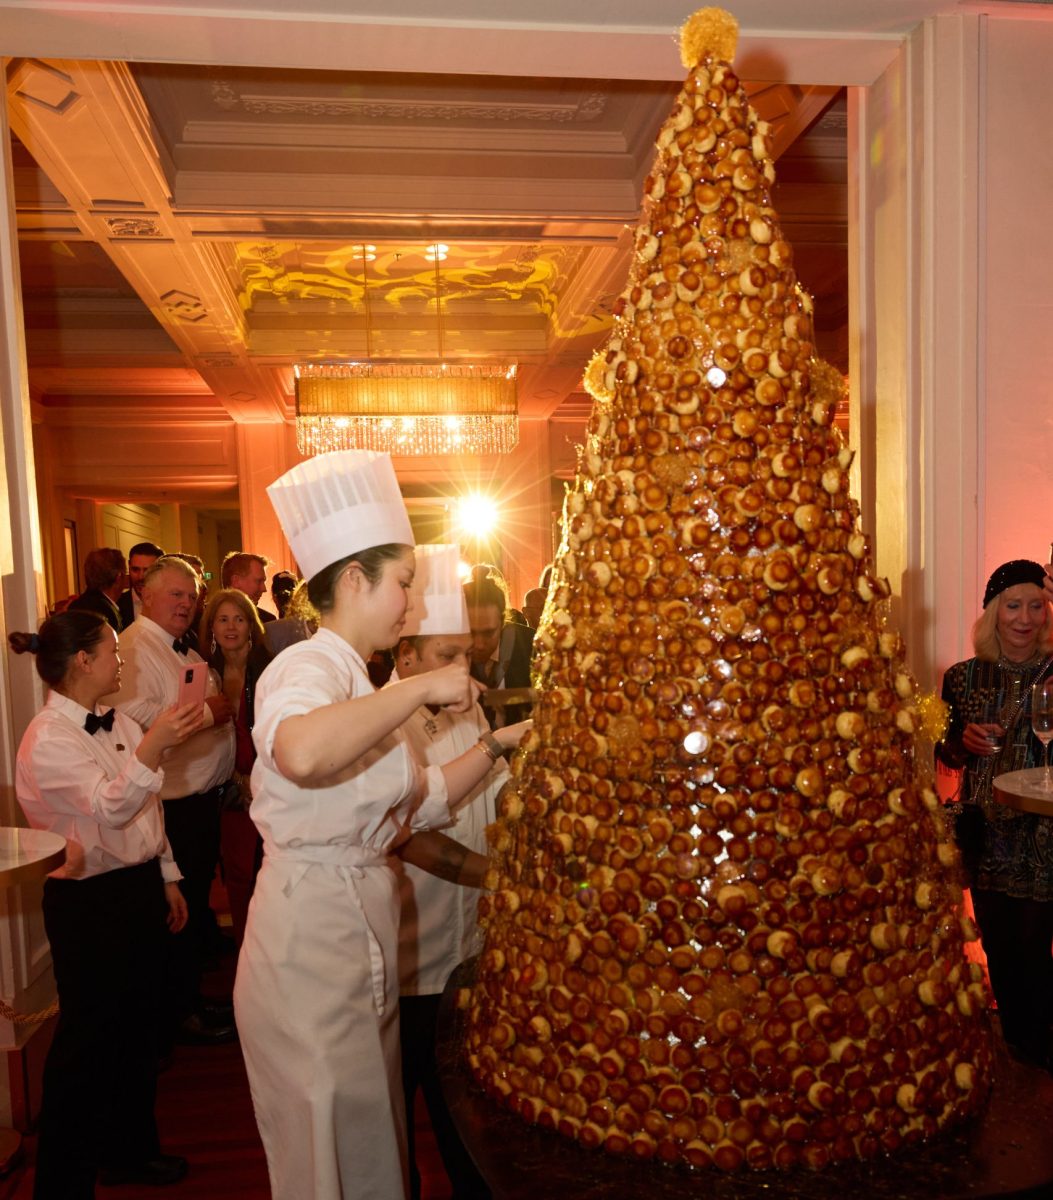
(1042, 724)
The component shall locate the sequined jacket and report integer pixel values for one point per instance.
(1017, 852)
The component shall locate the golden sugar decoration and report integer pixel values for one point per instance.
(932, 716)
(710, 31)
(593, 379)
(828, 384)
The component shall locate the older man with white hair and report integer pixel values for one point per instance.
(155, 654)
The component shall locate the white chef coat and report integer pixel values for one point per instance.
(91, 790)
(150, 684)
(316, 995)
(438, 926)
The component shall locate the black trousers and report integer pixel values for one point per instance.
(108, 939)
(192, 825)
(417, 1022)
(1017, 938)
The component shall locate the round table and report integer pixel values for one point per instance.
(1023, 791)
(26, 856)
(1007, 1151)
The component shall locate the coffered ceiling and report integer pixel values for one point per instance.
(190, 232)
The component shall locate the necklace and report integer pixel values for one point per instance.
(1007, 664)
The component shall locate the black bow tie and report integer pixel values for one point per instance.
(92, 723)
(181, 645)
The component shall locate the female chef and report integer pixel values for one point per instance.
(335, 789)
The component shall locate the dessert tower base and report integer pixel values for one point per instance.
(1005, 1152)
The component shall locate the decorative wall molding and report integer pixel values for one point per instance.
(591, 106)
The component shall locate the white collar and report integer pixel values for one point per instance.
(70, 709)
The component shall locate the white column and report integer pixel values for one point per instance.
(917, 358)
(25, 975)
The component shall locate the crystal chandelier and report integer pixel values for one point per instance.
(406, 408)
(434, 408)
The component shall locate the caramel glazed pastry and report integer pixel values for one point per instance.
(725, 926)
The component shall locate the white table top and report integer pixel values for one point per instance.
(1023, 790)
(28, 854)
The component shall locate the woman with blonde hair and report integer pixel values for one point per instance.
(232, 637)
(1007, 855)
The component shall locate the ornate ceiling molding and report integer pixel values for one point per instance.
(134, 227)
(42, 84)
(589, 107)
(184, 306)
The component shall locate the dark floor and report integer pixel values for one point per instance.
(204, 1113)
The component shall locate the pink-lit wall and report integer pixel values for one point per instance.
(952, 286)
(1016, 311)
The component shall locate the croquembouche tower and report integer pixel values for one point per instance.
(725, 927)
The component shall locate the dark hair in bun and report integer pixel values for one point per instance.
(60, 639)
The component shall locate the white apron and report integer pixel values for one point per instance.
(316, 995)
(317, 1010)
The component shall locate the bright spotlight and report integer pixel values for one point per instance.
(476, 515)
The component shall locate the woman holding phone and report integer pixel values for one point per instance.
(93, 778)
(336, 788)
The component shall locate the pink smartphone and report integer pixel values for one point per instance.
(193, 680)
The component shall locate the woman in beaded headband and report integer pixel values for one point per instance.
(1007, 855)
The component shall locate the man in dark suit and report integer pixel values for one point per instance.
(141, 558)
(104, 573)
(248, 573)
(534, 606)
(500, 653)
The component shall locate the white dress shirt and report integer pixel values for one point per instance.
(91, 790)
(438, 927)
(150, 685)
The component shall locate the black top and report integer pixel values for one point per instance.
(259, 657)
(95, 601)
(1016, 855)
(512, 671)
(126, 608)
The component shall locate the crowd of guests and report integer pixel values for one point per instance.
(153, 796)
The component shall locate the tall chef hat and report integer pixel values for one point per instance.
(437, 594)
(336, 504)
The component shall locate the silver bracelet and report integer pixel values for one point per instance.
(490, 746)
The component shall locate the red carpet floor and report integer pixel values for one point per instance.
(204, 1113)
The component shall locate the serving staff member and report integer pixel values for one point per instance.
(335, 789)
(94, 778)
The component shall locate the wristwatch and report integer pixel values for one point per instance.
(490, 746)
